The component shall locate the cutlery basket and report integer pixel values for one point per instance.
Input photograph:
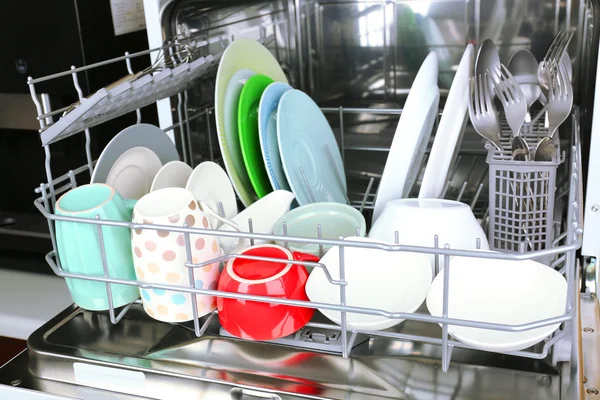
(521, 195)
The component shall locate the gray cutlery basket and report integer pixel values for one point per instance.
(521, 196)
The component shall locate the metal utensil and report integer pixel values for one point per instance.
(519, 149)
(545, 149)
(486, 121)
(487, 58)
(566, 61)
(551, 60)
(482, 110)
(544, 152)
(515, 108)
(560, 101)
(511, 97)
(523, 66)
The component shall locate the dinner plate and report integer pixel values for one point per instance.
(267, 129)
(144, 135)
(231, 132)
(133, 172)
(309, 152)
(411, 136)
(447, 49)
(210, 183)
(241, 54)
(172, 174)
(248, 131)
(450, 130)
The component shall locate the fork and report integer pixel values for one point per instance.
(482, 110)
(549, 64)
(514, 103)
(560, 99)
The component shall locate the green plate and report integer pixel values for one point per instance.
(248, 131)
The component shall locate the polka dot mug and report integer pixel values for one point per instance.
(159, 255)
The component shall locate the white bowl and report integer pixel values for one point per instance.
(385, 280)
(417, 221)
(503, 292)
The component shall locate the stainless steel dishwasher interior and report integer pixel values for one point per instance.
(365, 54)
(172, 357)
(357, 59)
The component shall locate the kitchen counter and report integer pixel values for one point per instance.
(28, 300)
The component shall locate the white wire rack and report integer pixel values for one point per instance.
(562, 253)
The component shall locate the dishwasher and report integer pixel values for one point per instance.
(357, 60)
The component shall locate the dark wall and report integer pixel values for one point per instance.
(38, 38)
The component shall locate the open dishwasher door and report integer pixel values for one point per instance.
(357, 60)
(590, 309)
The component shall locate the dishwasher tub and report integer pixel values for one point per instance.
(357, 60)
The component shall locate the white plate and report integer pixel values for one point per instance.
(242, 54)
(393, 281)
(172, 174)
(450, 130)
(306, 141)
(139, 135)
(411, 136)
(133, 172)
(503, 292)
(267, 127)
(210, 183)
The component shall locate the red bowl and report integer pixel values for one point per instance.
(264, 321)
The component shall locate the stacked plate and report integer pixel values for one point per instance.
(132, 159)
(273, 136)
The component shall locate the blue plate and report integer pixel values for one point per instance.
(267, 128)
(309, 152)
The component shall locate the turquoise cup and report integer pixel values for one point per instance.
(79, 245)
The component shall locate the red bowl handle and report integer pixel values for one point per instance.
(299, 256)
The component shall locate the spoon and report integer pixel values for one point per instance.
(545, 149)
(523, 66)
(519, 148)
(544, 152)
(487, 59)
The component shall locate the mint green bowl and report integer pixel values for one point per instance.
(336, 220)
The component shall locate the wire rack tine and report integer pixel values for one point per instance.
(320, 236)
(344, 321)
(188, 253)
(446, 349)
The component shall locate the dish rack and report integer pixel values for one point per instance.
(559, 250)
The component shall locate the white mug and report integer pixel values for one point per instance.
(159, 256)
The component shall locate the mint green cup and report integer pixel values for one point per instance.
(79, 246)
